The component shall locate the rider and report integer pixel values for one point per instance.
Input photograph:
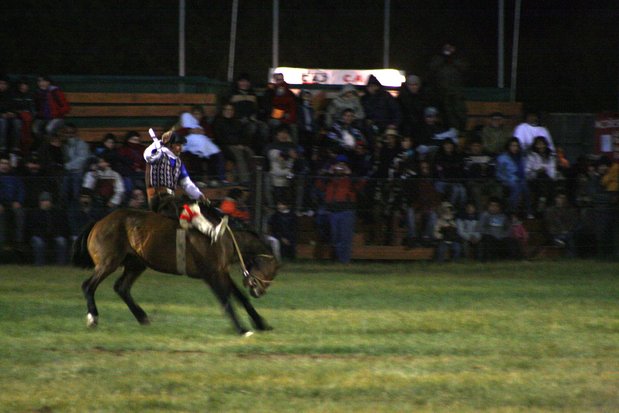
(164, 172)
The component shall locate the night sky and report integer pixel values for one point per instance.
(568, 62)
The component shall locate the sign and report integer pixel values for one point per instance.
(607, 135)
(301, 76)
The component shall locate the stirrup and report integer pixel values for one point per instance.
(220, 228)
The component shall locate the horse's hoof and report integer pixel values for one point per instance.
(145, 321)
(91, 320)
(248, 334)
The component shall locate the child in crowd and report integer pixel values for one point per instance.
(446, 232)
(283, 227)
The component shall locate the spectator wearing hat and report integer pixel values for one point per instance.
(412, 100)
(12, 196)
(51, 108)
(46, 226)
(347, 99)
(105, 184)
(340, 191)
(381, 109)
(495, 134)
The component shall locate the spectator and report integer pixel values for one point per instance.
(132, 164)
(422, 201)
(340, 197)
(23, 102)
(433, 132)
(494, 227)
(229, 135)
(479, 170)
(137, 199)
(85, 214)
(76, 154)
(11, 206)
(562, 223)
(530, 129)
(381, 109)
(446, 232)
(467, 229)
(246, 109)
(283, 227)
(108, 149)
(520, 236)
(347, 99)
(306, 116)
(284, 161)
(541, 172)
(605, 199)
(51, 108)
(9, 126)
(343, 137)
(47, 225)
(234, 205)
(511, 174)
(106, 185)
(200, 145)
(37, 181)
(280, 105)
(446, 78)
(449, 165)
(495, 134)
(412, 102)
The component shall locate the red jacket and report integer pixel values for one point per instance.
(340, 192)
(54, 100)
(229, 207)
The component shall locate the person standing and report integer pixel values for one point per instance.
(48, 225)
(51, 108)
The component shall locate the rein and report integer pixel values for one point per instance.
(252, 279)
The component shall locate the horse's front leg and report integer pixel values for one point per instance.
(223, 293)
(257, 320)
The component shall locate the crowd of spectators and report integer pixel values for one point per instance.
(398, 162)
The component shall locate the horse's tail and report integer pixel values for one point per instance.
(81, 257)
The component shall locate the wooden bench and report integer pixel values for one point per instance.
(96, 114)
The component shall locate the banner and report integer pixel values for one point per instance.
(302, 76)
(607, 135)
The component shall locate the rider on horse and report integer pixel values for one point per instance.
(164, 172)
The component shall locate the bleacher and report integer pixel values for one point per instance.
(98, 113)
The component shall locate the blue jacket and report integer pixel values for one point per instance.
(509, 170)
(11, 189)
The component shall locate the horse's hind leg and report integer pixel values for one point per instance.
(256, 319)
(133, 269)
(89, 287)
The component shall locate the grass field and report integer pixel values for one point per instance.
(414, 337)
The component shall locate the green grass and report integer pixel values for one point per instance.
(505, 337)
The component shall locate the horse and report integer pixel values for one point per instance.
(137, 239)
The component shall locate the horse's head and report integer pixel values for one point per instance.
(261, 270)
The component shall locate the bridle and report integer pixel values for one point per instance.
(253, 280)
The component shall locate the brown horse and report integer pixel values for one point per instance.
(139, 239)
